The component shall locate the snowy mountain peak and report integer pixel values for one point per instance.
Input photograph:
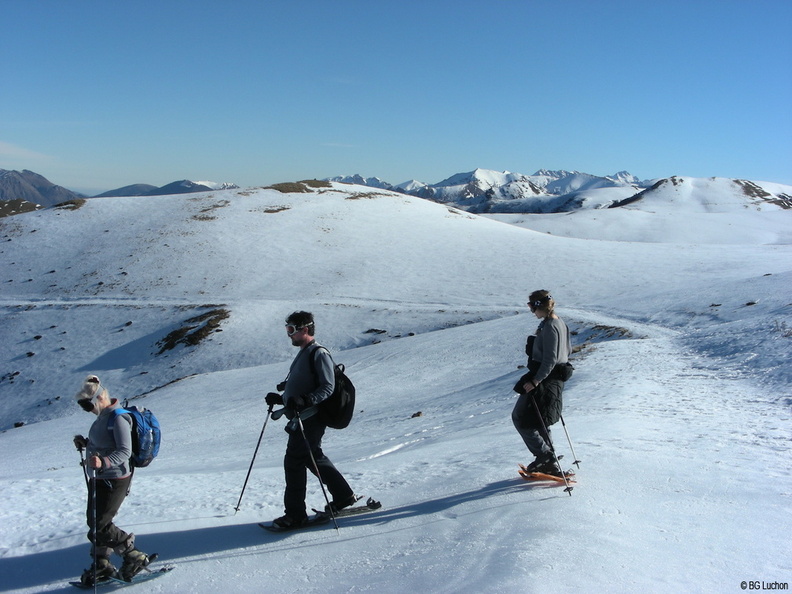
(359, 180)
(624, 177)
(410, 186)
(553, 174)
(482, 178)
(217, 185)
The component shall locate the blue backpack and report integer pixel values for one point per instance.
(146, 434)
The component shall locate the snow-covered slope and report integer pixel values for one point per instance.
(679, 407)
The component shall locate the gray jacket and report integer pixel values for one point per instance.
(551, 347)
(110, 438)
(316, 385)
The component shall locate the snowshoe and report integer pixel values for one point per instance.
(334, 507)
(100, 571)
(289, 523)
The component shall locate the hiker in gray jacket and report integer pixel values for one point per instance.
(541, 389)
(108, 449)
(311, 380)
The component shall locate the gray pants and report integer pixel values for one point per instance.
(110, 494)
(530, 427)
(298, 459)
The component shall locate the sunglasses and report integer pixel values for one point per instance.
(87, 404)
(291, 329)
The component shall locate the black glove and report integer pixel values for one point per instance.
(299, 403)
(80, 442)
(273, 399)
(529, 342)
(281, 386)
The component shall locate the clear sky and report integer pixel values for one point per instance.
(95, 95)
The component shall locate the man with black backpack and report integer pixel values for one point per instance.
(310, 382)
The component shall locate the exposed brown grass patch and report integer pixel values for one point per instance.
(194, 330)
(71, 204)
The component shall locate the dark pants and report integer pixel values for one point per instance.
(298, 459)
(535, 430)
(110, 494)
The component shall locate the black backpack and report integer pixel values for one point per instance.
(336, 411)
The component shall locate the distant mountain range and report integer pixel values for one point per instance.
(24, 191)
(484, 190)
(487, 191)
(478, 191)
(184, 186)
(485, 184)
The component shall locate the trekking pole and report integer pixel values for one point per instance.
(576, 462)
(568, 488)
(84, 469)
(91, 490)
(93, 528)
(316, 469)
(255, 452)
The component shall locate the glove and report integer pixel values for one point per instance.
(273, 398)
(80, 442)
(299, 403)
(281, 386)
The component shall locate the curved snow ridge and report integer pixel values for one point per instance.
(390, 450)
(402, 445)
(635, 329)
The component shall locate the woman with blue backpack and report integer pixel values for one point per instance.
(108, 472)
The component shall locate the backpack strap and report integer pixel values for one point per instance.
(316, 349)
(313, 365)
(313, 356)
(117, 413)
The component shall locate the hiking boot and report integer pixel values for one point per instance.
(543, 463)
(289, 523)
(551, 469)
(337, 506)
(546, 463)
(534, 466)
(104, 570)
(134, 562)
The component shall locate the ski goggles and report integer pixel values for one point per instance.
(291, 329)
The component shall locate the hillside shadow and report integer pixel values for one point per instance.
(135, 352)
(444, 504)
(40, 569)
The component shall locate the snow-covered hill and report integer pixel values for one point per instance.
(679, 408)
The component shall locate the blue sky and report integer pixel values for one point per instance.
(97, 95)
